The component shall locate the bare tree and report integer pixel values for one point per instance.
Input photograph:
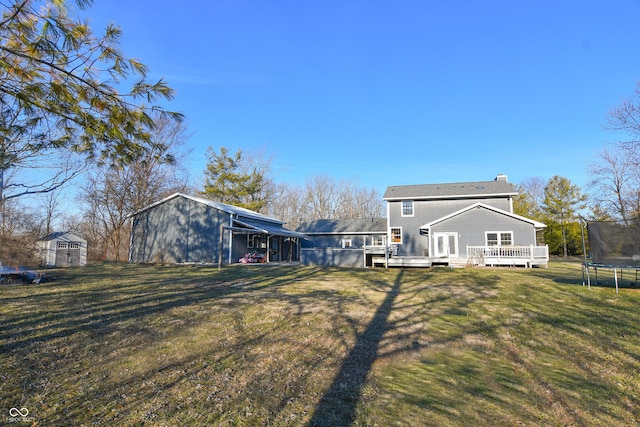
(615, 183)
(112, 194)
(19, 230)
(322, 197)
(530, 198)
(50, 204)
(287, 204)
(368, 203)
(625, 119)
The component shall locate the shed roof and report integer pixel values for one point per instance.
(344, 226)
(67, 236)
(497, 187)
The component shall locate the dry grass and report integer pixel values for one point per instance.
(137, 345)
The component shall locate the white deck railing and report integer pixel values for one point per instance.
(531, 255)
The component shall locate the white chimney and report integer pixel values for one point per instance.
(501, 177)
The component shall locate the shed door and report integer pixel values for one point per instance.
(446, 244)
(67, 253)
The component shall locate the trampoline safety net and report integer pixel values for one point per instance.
(614, 243)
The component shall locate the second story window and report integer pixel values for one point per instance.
(407, 208)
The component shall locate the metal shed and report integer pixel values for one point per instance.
(62, 249)
(189, 229)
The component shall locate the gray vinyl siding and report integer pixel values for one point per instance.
(332, 257)
(425, 211)
(429, 210)
(179, 230)
(335, 240)
(472, 225)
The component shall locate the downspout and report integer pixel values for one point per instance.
(188, 230)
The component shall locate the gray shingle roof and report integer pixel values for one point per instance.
(58, 234)
(344, 226)
(448, 191)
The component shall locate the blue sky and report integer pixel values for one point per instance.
(390, 93)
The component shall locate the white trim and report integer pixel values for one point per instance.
(391, 236)
(451, 196)
(345, 233)
(230, 209)
(446, 235)
(536, 224)
(402, 202)
(498, 237)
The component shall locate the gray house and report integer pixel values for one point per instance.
(456, 224)
(189, 229)
(467, 223)
(62, 249)
(341, 242)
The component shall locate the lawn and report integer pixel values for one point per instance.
(134, 345)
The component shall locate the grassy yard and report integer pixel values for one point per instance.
(258, 345)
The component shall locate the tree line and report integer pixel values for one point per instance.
(71, 104)
(611, 194)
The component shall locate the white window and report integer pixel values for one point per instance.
(62, 245)
(74, 245)
(346, 243)
(407, 208)
(499, 238)
(377, 240)
(506, 239)
(396, 234)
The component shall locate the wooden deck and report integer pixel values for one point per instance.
(403, 261)
(515, 256)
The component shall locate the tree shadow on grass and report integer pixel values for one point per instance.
(100, 309)
(338, 405)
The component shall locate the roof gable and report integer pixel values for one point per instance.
(62, 235)
(449, 191)
(536, 224)
(230, 209)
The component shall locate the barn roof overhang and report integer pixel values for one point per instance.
(264, 228)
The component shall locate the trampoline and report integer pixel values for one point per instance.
(614, 249)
